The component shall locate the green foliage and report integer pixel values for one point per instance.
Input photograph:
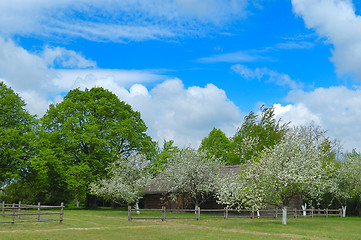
(16, 135)
(257, 133)
(85, 133)
(165, 155)
(218, 145)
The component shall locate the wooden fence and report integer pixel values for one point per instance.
(234, 213)
(17, 212)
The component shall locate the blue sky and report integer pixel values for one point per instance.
(191, 65)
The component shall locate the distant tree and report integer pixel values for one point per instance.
(87, 132)
(128, 178)
(164, 155)
(218, 145)
(16, 135)
(261, 132)
(190, 173)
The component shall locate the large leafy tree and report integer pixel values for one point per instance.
(192, 174)
(258, 133)
(16, 135)
(218, 145)
(88, 131)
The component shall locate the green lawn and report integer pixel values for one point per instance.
(113, 224)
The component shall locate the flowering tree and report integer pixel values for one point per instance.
(293, 167)
(348, 179)
(190, 173)
(240, 190)
(128, 179)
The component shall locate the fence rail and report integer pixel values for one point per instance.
(17, 212)
(236, 213)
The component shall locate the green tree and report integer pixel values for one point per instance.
(16, 135)
(88, 131)
(257, 133)
(165, 155)
(218, 145)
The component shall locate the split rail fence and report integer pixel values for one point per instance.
(17, 212)
(232, 213)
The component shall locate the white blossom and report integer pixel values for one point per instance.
(128, 179)
(190, 173)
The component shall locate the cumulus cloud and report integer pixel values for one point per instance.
(35, 78)
(116, 20)
(336, 21)
(280, 79)
(336, 109)
(186, 115)
(170, 110)
(297, 114)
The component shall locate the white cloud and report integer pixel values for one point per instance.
(21, 68)
(87, 78)
(336, 21)
(267, 74)
(239, 56)
(185, 115)
(297, 114)
(116, 20)
(336, 109)
(169, 110)
(63, 58)
(32, 74)
(294, 45)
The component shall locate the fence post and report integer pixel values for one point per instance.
(19, 209)
(340, 210)
(13, 216)
(295, 213)
(61, 213)
(252, 213)
(38, 211)
(326, 212)
(163, 214)
(129, 213)
(3, 209)
(276, 212)
(319, 212)
(226, 213)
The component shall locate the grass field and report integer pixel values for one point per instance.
(113, 224)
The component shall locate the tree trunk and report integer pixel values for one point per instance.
(344, 211)
(284, 215)
(137, 207)
(77, 203)
(304, 207)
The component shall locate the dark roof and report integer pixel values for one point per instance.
(154, 189)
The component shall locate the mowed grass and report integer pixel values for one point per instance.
(113, 224)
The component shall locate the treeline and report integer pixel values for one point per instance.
(75, 149)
